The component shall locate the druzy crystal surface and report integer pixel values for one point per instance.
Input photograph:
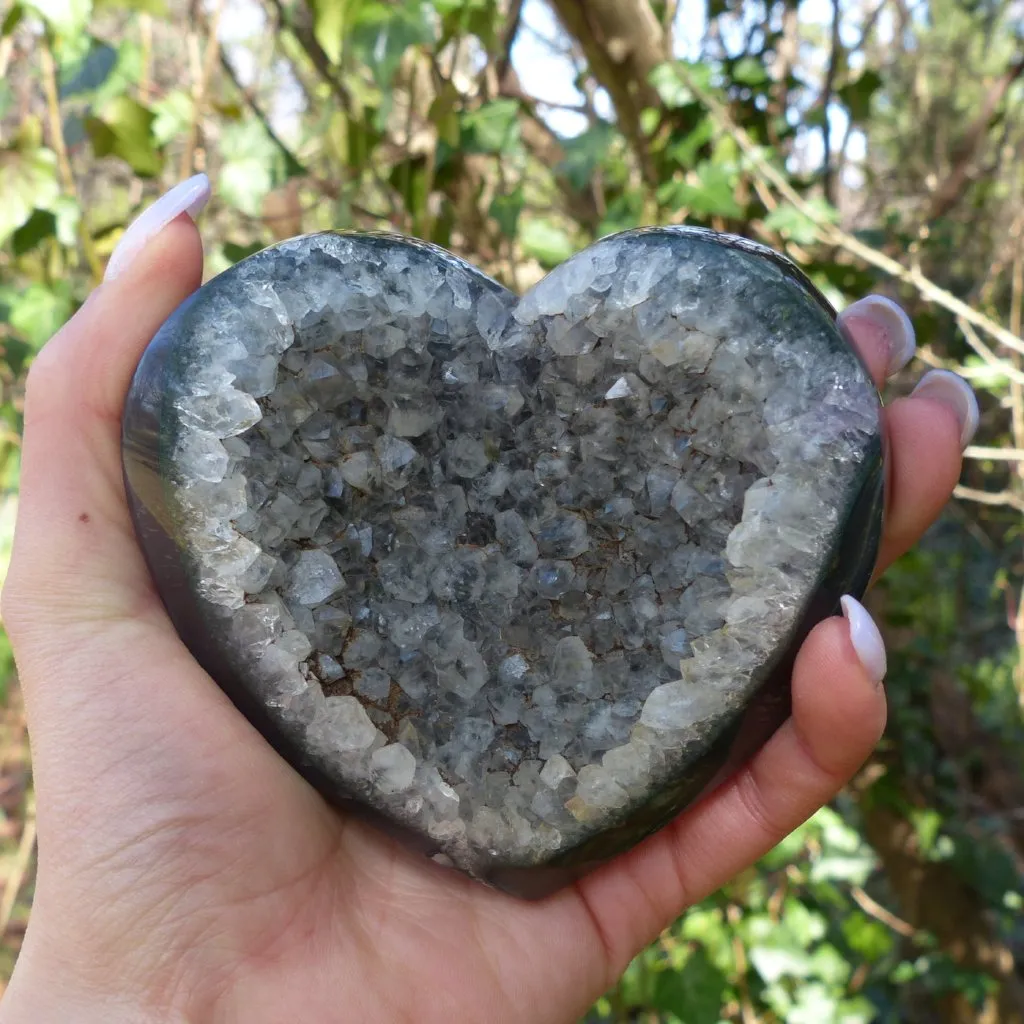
(524, 576)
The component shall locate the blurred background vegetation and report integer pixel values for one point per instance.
(879, 142)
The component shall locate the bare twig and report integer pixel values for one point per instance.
(975, 451)
(875, 909)
(990, 497)
(1002, 365)
(200, 86)
(828, 166)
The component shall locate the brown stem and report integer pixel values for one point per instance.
(200, 86)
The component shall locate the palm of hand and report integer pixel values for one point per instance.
(187, 872)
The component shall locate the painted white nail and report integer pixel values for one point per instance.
(891, 320)
(188, 197)
(864, 636)
(945, 386)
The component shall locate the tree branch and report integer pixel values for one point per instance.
(623, 43)
(829, 234)
(948, 194)
(828, 168)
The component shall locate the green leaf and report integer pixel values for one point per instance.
(27, 180)
(585, 153)
(505, 209)
(546, 242)
(12, 19)
(67, 18)
(89, 72)
(695, 994)
(492, 128)
(39, 311)
(124, 129)
(711, 195)
(684, 153)
(252, 166)
(381, 33)
(749, 71)
(669, 84)
(794, 224)
(40, 226)
(329, 22)
(172, 116)
(233, 252)
(856, 95)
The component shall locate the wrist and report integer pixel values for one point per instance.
(44, 988)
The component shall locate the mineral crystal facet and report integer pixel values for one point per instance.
(523, 577)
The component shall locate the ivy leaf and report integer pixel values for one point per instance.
(172, 116)
(856, 95)
(233, 252)
(381, 33)
(38, 311)
(797, 226)
(40, 226)
(695, 994)
(89, 72)
(668, 83)
(505, 209)
(712, 194)
(28, 179)
(546, 242)
(749, 71)
(492, 128)
(253, 166)
(124, 129)
(67, 18)
(585, 153)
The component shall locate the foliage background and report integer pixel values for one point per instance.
(878, 142)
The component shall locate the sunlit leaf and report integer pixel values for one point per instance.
(546, 242)
(124, 129)
(796, 225)
(172, 116)
(65, 17)
(492, 128)
(750, 71)
(28, 179)
(38, 311)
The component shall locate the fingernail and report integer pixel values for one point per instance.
(188, 197)
(864, 636)
(892, 324)
(946, 387)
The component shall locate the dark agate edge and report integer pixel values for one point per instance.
(145, 451)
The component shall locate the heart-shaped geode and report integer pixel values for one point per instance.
(522, 576)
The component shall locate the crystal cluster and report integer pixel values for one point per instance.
(506, 569)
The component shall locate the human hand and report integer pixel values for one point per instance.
(187, 873)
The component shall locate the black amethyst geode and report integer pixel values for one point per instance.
(521, 577)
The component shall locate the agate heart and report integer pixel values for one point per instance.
(523, 577)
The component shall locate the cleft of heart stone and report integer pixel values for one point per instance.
(520, 578)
